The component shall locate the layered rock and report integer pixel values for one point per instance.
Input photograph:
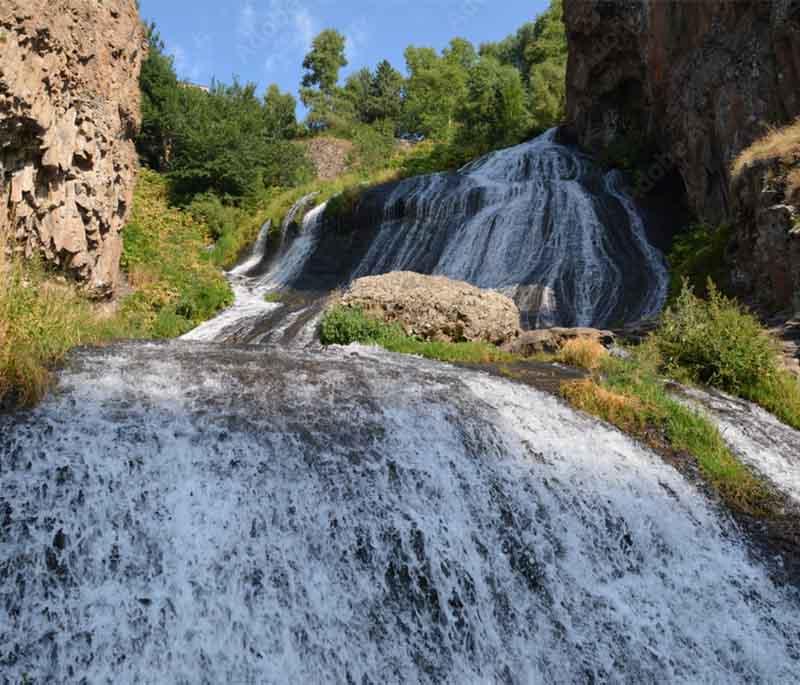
(69, 109)
(436, 308)
(700, 80)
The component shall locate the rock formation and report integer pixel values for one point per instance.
(700, 80)
(696, 83)
(436, 308)
(69, 108)
(551, 340)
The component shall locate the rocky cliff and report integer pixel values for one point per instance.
(700, 80)
(69, 108)
(696, 83)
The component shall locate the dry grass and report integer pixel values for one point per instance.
(583, 353)
(623, 411)
(782, 143)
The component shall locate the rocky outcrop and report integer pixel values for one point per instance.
(765, 250)
(436, 308)
(69, 109)
(700, 81)
(551, 340)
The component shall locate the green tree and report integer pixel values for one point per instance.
(494, 113)
(160, 104)
(385, 101)
(357, 91)
(324, 62)
(280, 114)
(435, 89)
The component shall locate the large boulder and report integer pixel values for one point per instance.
(69, 109)
(436, 308)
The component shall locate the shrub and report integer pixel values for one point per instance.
(715, 342)
(346, 325)
(697, 255)
(583, 353)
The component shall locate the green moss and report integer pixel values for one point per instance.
(345, 325)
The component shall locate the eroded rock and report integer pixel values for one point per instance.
(551, 340)
(436, 308)
(69, 108)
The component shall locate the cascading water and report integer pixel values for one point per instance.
(538, 221)
(198, 513)
(203, 514)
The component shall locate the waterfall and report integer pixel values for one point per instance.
(539, 221)
(262, 510)
(187, 513)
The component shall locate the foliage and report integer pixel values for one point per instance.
(630, 394)
(718, 343)
(583, 353)
(39, 323)
(697, 256)
(227, 140)
(324, 62)
(715, 342)
(493, 114)
(345, 325)
(176, 287)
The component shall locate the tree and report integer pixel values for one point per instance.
(494, 113)
(324, 62)
(435, 89)
(160, 110)
(385, 101)
(357, 91)
(280, 114)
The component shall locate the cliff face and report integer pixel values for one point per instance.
(69, 108)
(701, 80)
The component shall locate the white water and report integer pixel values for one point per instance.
(250, 305)
(185, 513)
(755, 436)
(537, 220)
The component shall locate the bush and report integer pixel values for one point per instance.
(346, 325)
(697, 255)
(583, 353)
(715, 342)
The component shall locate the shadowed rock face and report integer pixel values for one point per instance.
(69, 108)
(701, 79)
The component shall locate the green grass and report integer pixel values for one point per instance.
(176, 287)
(632, 395)
(345, 325)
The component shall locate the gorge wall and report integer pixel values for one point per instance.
(700, 81)
(69, 109)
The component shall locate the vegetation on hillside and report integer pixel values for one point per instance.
(166, 260)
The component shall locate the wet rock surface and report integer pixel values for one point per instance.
(69, 108)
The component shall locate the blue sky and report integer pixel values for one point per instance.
(265, 40)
